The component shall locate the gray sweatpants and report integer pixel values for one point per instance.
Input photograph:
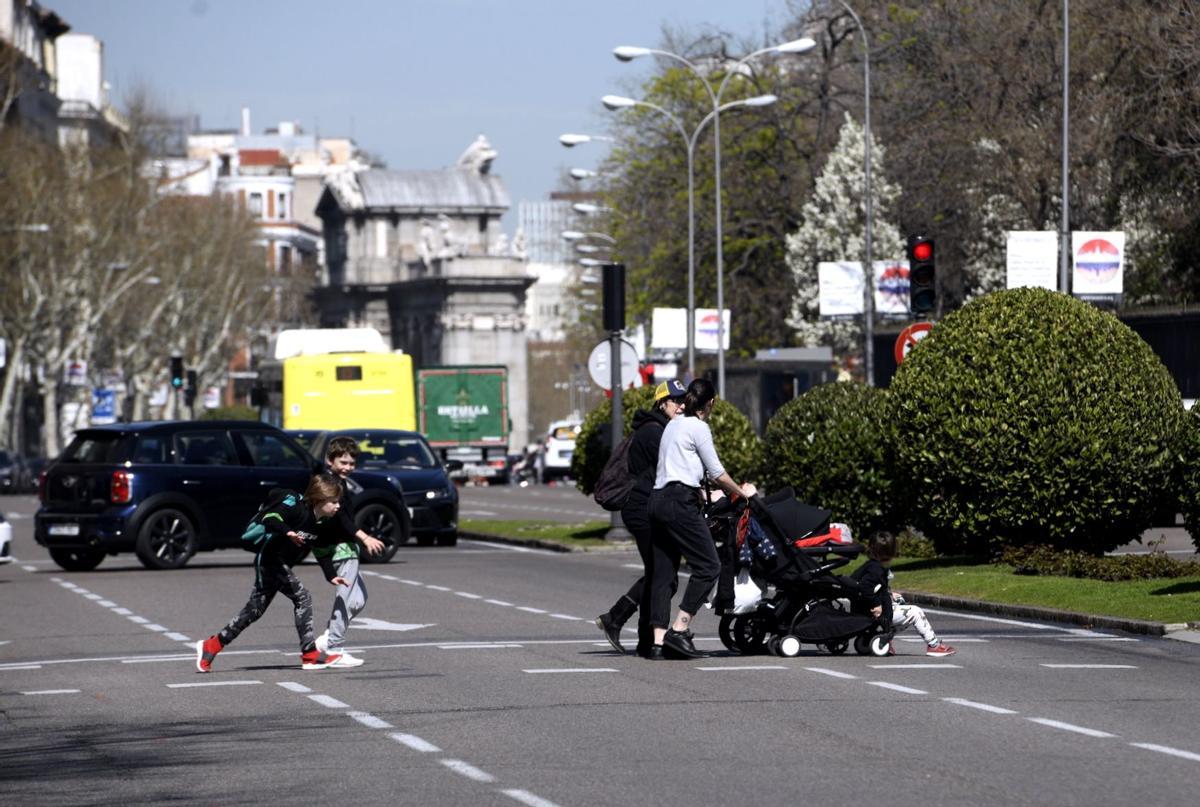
(348, 601)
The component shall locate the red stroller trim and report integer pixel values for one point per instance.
(833, 537)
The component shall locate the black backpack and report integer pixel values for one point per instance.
(615, 482)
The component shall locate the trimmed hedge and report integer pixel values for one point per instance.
(833, 446)
(737, 445)
(1029, 417)
(1034, 560)
(1188, 481)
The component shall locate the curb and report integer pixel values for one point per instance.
(538, 543)
(1047, 614)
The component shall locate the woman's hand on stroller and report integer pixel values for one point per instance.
(877, 611)
(748, 490)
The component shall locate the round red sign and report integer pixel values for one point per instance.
(909, 337)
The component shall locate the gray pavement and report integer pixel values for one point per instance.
(487, 684)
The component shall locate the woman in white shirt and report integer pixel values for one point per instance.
(685, 456)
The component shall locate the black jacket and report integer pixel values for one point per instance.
(293, 514)
(870, 574)
(643, 452)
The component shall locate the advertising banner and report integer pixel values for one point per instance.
(840, 288)
(1098, 261)
(104, 405)
(891, 288)
(1032, 260)
(668, 328)
(706, 329)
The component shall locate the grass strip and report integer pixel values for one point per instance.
(584, 535)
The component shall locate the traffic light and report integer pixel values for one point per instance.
(922, 276)
(189, 392)
(614, 296)
(176, 372)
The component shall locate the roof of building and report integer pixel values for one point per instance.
(270, 157)
(452, 188)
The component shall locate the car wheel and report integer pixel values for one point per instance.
(77, 560)
(448, 540)
(380, 521)
(166, 539)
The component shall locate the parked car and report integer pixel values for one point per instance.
(560, 446)
(5, 541)
(14, 473)
(168, 489)
(407, 456)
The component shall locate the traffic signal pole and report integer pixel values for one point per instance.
(614, 322)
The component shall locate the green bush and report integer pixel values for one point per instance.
(1033, 560)
(736, 443)
(1188, 480)
(235, 412)
(832, 446)
(1029, 417)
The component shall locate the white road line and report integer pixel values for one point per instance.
(469, 771)
(898, 688)
(527, 798)
(7, 667)
(329, 702)
(569, 617)
(411, 582)
(155, 627)
(980, 618)
(530, 610)
(1096, 639)
(926, 666)
(179, 637)
(122, 611)
(468, 595)
(1166, 749)
(292, 686)
(51, 692)
(1090, 666)
(983, 707)
(106, 603)
(141, 620)
(370, 721)
(1057, 724)
(478, 646)
(213, 684)
(745, 667)
(28, 568)
(570, 670)
(499, 602)
(389, 577)
(93, 597)
(436, 588)
(946, 639)
(511, 547)
(416, 743)
(476, 513)
(833, 673)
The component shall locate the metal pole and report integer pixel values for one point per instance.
(869, 265)
(616, 529)
(691, 299)
(1064, 276)
(720, 254)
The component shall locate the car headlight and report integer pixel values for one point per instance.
(437, 493)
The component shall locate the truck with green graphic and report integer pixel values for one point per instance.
(463, 413)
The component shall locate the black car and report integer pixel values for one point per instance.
(168, 489)
(14, 473)
(407, 456)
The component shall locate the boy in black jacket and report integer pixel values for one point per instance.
(290, 525)
(889, 606)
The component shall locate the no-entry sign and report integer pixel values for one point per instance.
(909, 337)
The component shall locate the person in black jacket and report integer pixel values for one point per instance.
(643, 461)
(888, 605)
(290, 523)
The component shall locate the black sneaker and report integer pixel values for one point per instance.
(612, 632)
(677, 644)
(653, 653)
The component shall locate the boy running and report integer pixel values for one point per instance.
(289, 525)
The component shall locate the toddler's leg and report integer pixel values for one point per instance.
(906, 616)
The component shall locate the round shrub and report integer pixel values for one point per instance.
(736, 443)
(1029, 417)
(1189, 474)
(832, 446)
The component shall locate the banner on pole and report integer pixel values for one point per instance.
(1032, 260)
(840, 287)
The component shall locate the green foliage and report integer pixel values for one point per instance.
(235, 412)
(832, 445)
(736, 443)
(1028, 417)
(1188, 478)
(1048, 560)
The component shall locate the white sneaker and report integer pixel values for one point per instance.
(346, 660)
(323, 641)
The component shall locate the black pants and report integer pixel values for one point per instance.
(678, 529)
(273, 576)
(636, 516)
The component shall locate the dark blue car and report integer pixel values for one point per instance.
(168, 489)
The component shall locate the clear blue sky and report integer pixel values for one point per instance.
(412, 80)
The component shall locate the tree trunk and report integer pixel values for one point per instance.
(51, 442)
(8, 389)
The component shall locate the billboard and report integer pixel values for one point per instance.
(1098, 265)
(1032, 260)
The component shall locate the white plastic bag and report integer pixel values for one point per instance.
(746, 595)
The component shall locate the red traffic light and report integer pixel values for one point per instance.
(922, 251)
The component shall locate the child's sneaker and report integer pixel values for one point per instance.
(323, 641)
(940, 649)
(344, 659)
(206, 651)
(316, 660)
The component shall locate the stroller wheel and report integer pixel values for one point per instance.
(837, 648)
(725, 631)
(879, 645)
(773, 645)
(749, 634)
(788, 646)
(862, 644)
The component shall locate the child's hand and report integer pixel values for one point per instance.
(877, 611)
(373, 545)
(296, 538)
(338, 581)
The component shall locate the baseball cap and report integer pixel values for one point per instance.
(669, 389)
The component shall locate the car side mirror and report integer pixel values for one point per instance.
(454, 465)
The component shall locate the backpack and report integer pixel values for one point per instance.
(255, 536)
(615, 482)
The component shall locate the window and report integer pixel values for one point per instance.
(283, 206)
(98, 447)
(256, 204)
(285, 260)
(205, 448)
(268, 451)
(349, 372)
(150, 449)
(377, 451)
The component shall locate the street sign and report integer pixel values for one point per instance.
(909, 337)
(104, 405)
(600, 369)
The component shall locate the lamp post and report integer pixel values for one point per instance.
(615, 102)
(1064, 274)
(627, 53)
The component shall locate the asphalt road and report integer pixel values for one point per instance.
(486, 684)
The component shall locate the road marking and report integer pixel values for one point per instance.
(29, 568)
(122, 611)
(7, 667)
(155, 627)
(1090, 666)
(1096, 639)
(745, 667)
(499, 602)
(469, 771)
(292, 686)
(327, 701)
(141, 620)
(416, 743)
(370, 721)
(468, 595)
(569, 617)
(946, 639)
(436, 588)
(834, 673)
(571, 670)
(51, 692)
(389, 577)
(983, 707)
(477, 513)
(93, 597)
(1166, 749)
(411, 582)
(179, 637)
(106, 603)
(525, 797)
(530, 610)
(1057, 724)
(898, 688)
(511, 547)
(476, 646)
(213, 684)
(926, 666)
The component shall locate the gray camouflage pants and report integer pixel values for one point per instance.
(272, 578)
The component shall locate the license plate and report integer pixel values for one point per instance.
(64, 529)
(565, 455)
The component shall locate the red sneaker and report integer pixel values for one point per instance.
(206, 651)
(891, 649)
(317, 660)
(942, 649)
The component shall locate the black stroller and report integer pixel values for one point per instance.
(809, 604)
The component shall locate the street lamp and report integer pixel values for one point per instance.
(577, 235)
(580, 174)
(571, 140)
(616, 102)
(626, 53)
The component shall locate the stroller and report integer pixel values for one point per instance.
(791, 549)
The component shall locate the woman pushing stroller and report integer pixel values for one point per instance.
(685, 456)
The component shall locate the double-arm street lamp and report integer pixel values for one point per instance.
(627, 53)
